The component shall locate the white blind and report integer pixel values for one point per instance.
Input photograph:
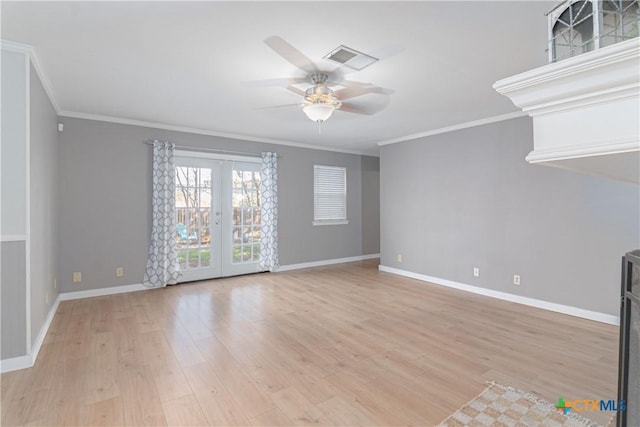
(329, 193)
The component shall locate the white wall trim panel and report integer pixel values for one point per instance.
(13, 238)
(531, 302)
(27, 169)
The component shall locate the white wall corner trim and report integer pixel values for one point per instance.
(89, 293)
(532, 302)
(474, 123)
(326, 262)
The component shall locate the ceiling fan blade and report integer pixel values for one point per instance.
(361, 109)
(356, 109)
(296, 90)
(279, 107)
(291, 54)
(284, 82)
(365, 86)
(355, 91)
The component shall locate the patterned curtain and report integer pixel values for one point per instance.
(162, 269)
(269, 213)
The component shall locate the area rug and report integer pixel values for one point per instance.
(500, 406)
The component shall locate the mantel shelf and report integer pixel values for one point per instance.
(583, 108)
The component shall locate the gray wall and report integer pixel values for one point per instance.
(105, 212)
(468, 199)
(14, 143)
(44, 204)
(370, 205)
(13, 302)
(13, 154)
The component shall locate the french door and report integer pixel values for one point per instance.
(217, 215)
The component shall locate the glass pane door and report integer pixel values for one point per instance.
(198, 195)
(243, 210)
(217, 216)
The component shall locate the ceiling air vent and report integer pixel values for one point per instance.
(350, 58)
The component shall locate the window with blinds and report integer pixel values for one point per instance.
(329, 195)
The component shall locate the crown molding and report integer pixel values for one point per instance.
(581, 78)
(12, 46)
(29, 50)
(599, 148)
(46, 84)
(186, 129)
(584, 107)
(473, 123)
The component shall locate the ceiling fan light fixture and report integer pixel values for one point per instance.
(319, 111)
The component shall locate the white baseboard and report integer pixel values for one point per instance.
(532, 302)
(28, 360)
(16, 363)
(44, 329)
(326, 262)
(102, 291)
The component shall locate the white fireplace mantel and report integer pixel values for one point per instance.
(585, 110)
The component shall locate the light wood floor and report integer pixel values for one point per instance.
(333, 345)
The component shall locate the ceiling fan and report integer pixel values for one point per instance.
(327, 91)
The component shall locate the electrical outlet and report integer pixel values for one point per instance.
(399, 257)
(516, 279)
(77, 277)
(119, 272)
(46, 298)
(476, 272)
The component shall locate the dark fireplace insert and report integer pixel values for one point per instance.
(629, 363)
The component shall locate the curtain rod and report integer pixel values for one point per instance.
(212, 150)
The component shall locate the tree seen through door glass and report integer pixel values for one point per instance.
(246, 206)
(193, 222)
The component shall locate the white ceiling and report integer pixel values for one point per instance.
(183, 63)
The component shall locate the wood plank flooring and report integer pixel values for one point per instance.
(338, 345)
